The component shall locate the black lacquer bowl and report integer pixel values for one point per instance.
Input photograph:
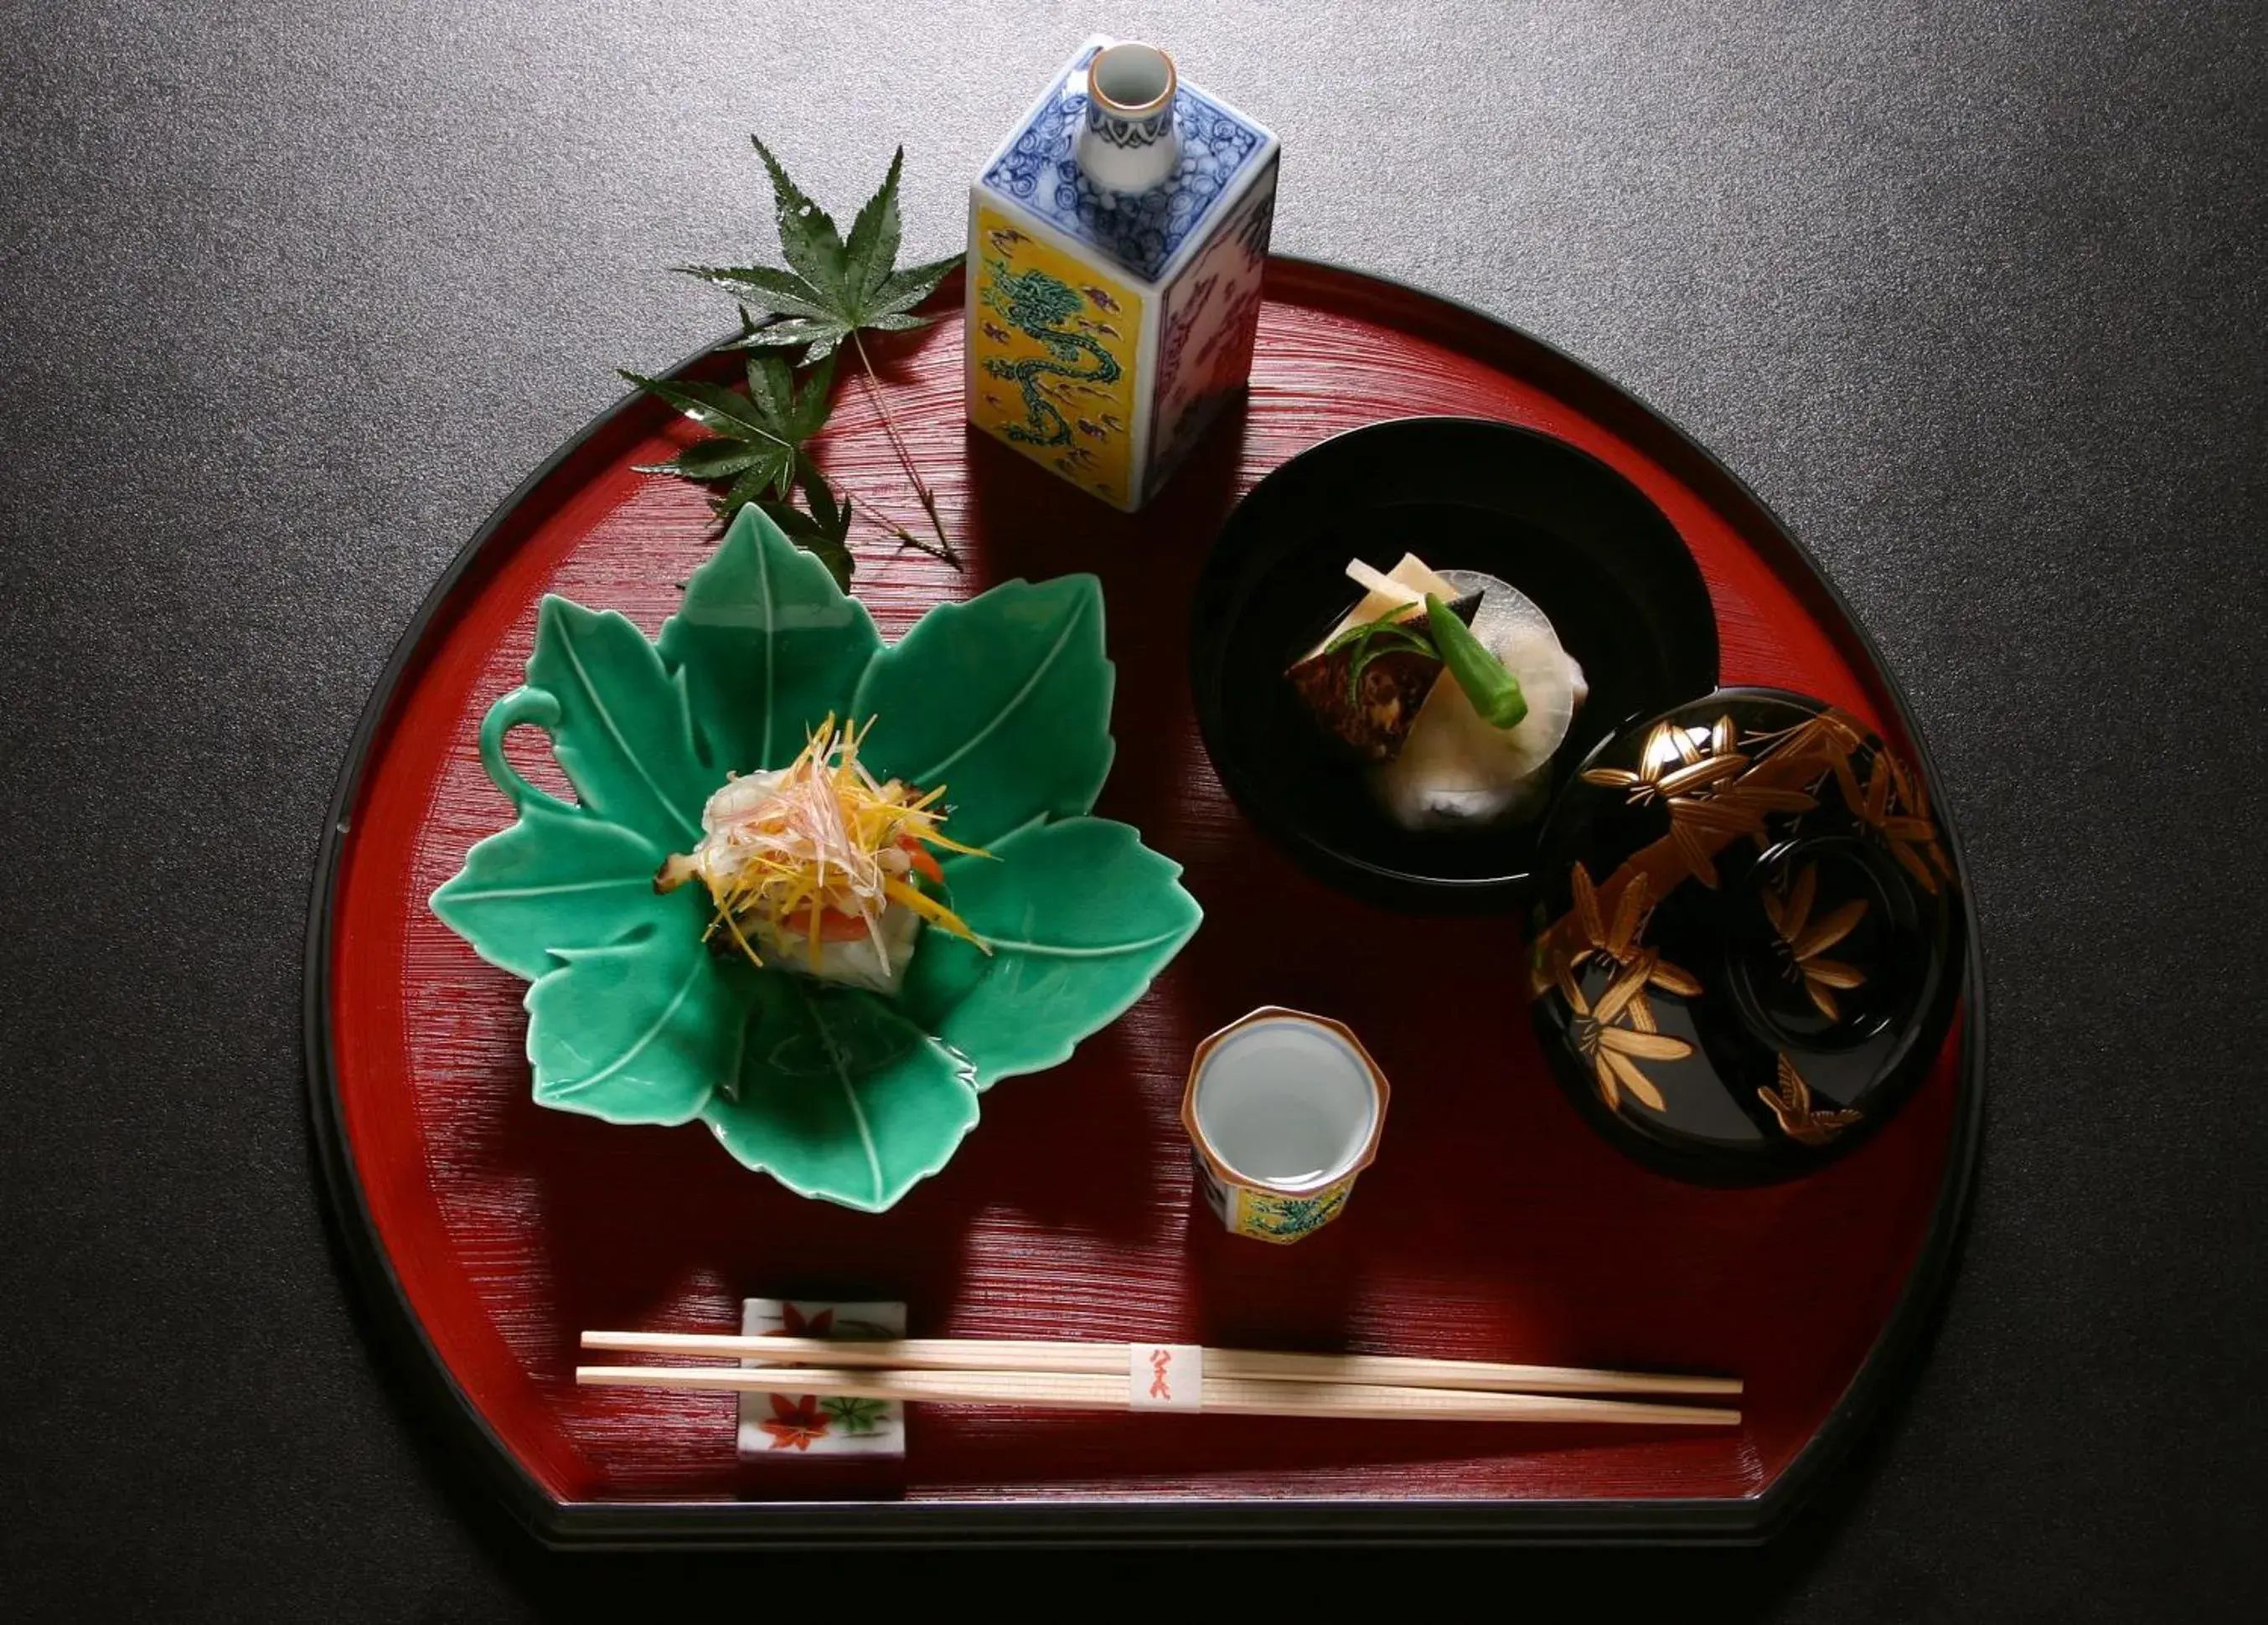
(1747, 938)
(1622, 592)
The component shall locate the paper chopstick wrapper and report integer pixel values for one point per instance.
(1164, 1376)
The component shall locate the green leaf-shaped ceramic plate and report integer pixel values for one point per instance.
(1005, 700)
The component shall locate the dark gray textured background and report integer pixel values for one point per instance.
(1972, 294)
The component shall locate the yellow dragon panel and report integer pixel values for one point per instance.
(1054, 351)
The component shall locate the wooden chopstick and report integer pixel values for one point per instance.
(1232, 1396)
(1110, 1359)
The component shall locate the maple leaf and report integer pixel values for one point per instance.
(831, 287)
(793, 1325)
(823, 532)
(794, 1424)
(856, 1415)
(759, 437)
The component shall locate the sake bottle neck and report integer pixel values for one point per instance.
(1129, 141)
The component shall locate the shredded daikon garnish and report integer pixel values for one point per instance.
(1375, 581)
(818, 851)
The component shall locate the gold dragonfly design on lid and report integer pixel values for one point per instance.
(1790, 1103)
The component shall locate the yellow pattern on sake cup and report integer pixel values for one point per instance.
(1283, 1110)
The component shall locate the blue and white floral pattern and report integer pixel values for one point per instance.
(1141, 231)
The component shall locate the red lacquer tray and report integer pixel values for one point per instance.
(488, 1232)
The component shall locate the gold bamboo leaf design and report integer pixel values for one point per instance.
(1918, 827)
(1715, 816)
(1698, 859)
(1587, 907)
(1903, 782)
(1829, 929)
(1801, 896)
(1770, 799)
(1624, 987)
(1803, 939)
(1707, 785)
(1829, 740)
(1701, 775)
(1878, 795)
(1651, 1046)
(1614, 1051)
(1669, 750)
(1671, 979)
(1616, 778)
(1895, 806)
(1621, 942)
(1630, 914)
(1621, 1072)
(1893, 799)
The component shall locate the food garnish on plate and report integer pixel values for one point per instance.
(1452, 688)
(1368, 679)
(820, 868)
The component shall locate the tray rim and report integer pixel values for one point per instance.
(383, 1307)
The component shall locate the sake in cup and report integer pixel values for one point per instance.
(1283, 1110)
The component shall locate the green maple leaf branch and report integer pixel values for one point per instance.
(831, 289)
(821, 528)
(758, 447)
(759, 436)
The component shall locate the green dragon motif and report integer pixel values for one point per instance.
(1289, 1217)
(1038, 304)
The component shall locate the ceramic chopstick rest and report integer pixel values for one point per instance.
(819, 1424)
(1283, 1111)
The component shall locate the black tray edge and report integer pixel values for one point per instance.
(684, 1525)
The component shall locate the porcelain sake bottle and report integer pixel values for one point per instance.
(1116, 242)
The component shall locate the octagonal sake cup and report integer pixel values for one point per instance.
(1283, 1109)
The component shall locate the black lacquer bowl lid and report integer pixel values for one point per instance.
(1747, 940)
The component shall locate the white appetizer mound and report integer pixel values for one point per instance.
(1455, 772)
